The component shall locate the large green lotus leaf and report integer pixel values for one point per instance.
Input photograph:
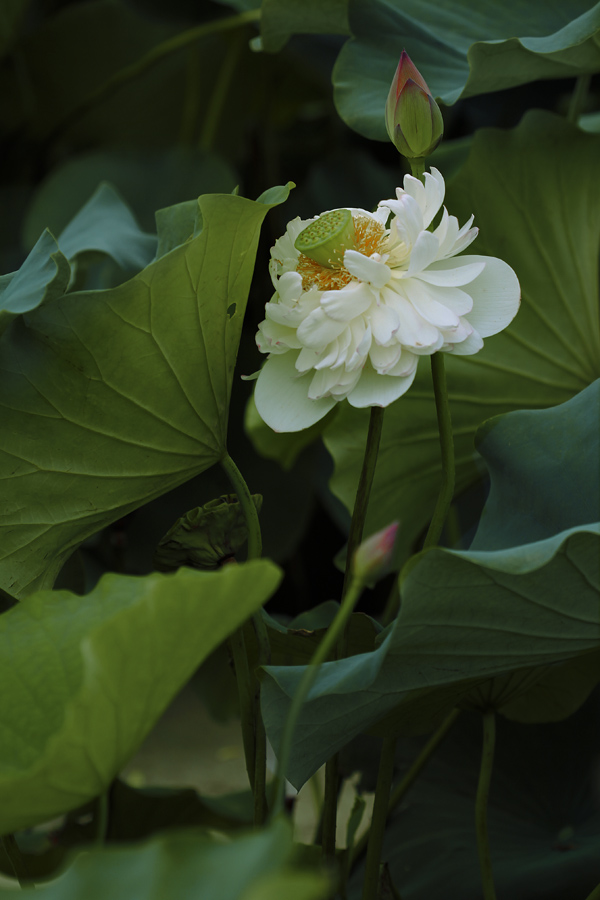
(460, 52)
(105, 224)
(466, 617)
(543, 218)
(280, 19)
(147, 180)
(545, 471)
(110, 398)
(86, 678)
(44, 275)
(543, 813)
(189, 865)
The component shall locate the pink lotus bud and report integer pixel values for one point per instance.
(375, 553)
(412, 117)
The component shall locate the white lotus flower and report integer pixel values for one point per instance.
(351, 319)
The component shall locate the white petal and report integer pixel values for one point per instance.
(384, 358)
(470, 345)
(366, 269)
(289, 287)
(307, 359)
(331, 383)
(281, 396)
(384, 322)
(378, 390)
(274, 338)
(459, 302)
(318, 329)
(409, 218)
(351, 301)
(423, 253)
(452, 272)
(414, 331)
(496, 296)
(433, 312)
(406, 365)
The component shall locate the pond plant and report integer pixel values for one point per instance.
(329, 456)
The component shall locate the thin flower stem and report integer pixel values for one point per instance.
(378, 820)
(595, 895)
(16, 859)
(411, 776)
(578, 97)
(307, 680)
(219, 92)
(363, 491)
(102, 818)
(446, 494)
(330, 802)
(239, 653)
(248, 507)
(357, 525)
(137, 68)
(257, 761)
(481, 803)
(417, 167)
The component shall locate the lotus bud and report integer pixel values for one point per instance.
(375, 553)
(412, 117)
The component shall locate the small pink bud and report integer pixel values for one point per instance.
(375, 553)
(412, 117)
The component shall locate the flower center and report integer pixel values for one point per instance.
(323, 243)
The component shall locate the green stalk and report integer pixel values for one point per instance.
(595, 895)
(16, 858)
(411, 776)
(359, 514)
(446, 494)
(137, 68)
(257, 761)
(248, 508)
(307, 680)
(483, 789)
(218, 96)
(578, 97)
(102, 818)
(363, 491)
(239, 653)
(378, 820)
(417, 167)
(330, 802)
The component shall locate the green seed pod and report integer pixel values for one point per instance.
(327, 238)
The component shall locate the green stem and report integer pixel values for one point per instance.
(411, 776)
(595, 895)
(357, 525)
(307, 680)
(578, 97)
(363, 491)
(218, 96)
(258, 759)
(417, 167)
(134, 70)
(483, 789)
(16, 859)
(330, 802)
(239, 653)
(248, 506)
(102, 818)
(442, 406)
(378, 820)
